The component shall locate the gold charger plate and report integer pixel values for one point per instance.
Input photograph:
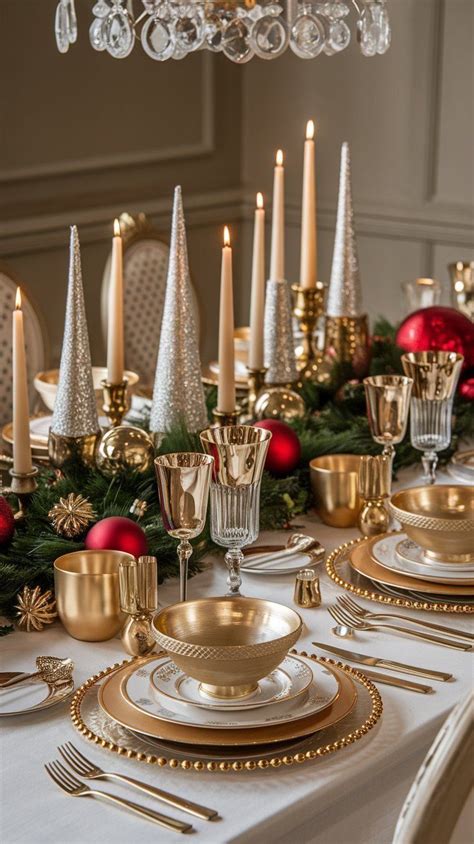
(340, 571)
(113, 700)
(363, 561)
(95, 726)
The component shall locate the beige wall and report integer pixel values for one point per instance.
(85, 137)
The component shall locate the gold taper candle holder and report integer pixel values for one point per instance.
(115, 401)
(224, 418)
(375, 475)
(23, 486)
(347, 339)
(256, 381)
(138, 583)
(67, 452)
(308, 308)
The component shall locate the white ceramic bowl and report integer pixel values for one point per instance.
(46, 384)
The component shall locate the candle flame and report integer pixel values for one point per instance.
(117, 231)
(259, 200)
(18, 299)
(226, 236)
(279, 157)
(310, 130)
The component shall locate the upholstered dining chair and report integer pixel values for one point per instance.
(438, 807)
(35, 340)
(145, 268)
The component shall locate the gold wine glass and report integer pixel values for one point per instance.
(388, 403)
(183, 489)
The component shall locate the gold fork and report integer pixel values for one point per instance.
(356, 609)
(82, 766)
(343, 617)
(75, 788)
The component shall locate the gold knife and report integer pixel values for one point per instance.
(397, 681)
(379, 662)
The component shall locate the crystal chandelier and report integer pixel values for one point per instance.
(241, 29)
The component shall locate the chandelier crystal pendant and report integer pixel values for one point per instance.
(241, 29)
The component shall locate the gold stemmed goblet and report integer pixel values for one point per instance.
(183, 489)
(388, 403)
(239, 453)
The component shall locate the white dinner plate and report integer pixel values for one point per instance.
(30, 695)
(321, 692)
(288, 565)
(404, 561)
(290, 679)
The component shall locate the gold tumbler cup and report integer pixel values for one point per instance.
(87, 593)
(335, 485)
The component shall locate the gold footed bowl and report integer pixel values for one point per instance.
(440, 519)
(227, 644)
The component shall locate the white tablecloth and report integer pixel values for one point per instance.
(352, 796)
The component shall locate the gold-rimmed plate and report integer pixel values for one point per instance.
(39, 426)
(32, 695)
(113, 701)
(363, 561)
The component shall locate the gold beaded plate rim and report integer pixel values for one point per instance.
(340, 555)
(240, 764)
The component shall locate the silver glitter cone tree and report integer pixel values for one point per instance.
(178, 395)
(347, 331)
(75, 410)
(344, 298)
(279, 343)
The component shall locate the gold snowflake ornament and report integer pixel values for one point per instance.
(35, 608)
(71, 515)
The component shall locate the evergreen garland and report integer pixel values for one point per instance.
(335, 422)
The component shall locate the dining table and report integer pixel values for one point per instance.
(354, 795)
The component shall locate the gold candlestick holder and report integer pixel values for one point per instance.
(138, 585)
(256, 381)
(308, 308)
(347, 340)
(67, 452)
(375, 474)
(115, 401)
(224, 418)
(23, 486)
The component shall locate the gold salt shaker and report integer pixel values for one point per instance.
(307, 592)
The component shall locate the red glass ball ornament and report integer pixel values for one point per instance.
(7, 522)
(117, 533)
(438, 328)
(284, 451)
(466, 389)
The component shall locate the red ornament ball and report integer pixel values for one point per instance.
(7, 522)
(117, 533)
(438, 328)
(284, 451)
(466, 389)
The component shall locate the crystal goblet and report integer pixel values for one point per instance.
(239, 457)
(183, 489)
(388, 403)
(435, 376)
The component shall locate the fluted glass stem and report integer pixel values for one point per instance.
(185, 550)
(233, 560)
(430, 462)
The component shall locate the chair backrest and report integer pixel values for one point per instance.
(442, 784)
(145, 268)
(35, 341)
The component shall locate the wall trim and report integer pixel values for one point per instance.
(205, 146)
(49, 231)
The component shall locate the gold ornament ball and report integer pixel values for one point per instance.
(279, 403)
(124, 449)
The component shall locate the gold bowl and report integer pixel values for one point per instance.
(335, 485)
(440, 519)
(46, 384)
(86, 586)
(228, 644)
